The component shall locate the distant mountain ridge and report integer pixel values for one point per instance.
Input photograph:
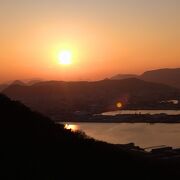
(166, 76)
(14, 83)
(18, 82)
(124, 76)
(170, 77)
(58, 97)
(3, 86)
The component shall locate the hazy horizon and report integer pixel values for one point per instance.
(80, 79)
(104, 38)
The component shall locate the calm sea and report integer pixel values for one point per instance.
(142, 134)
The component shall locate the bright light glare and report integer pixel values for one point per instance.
(119, 105)
(65, 57)
(71, 127)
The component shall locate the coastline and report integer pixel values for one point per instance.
(135, 118)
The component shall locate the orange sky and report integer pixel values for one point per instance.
(105, 36)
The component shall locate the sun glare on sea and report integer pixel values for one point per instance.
(65, 57)
(71, 127)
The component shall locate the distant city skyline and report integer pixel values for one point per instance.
(104, 38)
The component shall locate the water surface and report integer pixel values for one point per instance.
(142, 134)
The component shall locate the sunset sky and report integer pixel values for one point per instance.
(104, 37)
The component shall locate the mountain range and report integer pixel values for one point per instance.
(124, 76)
(55, 98)
(19, 82)
(166, 76)
(170, 77)
(3, 86)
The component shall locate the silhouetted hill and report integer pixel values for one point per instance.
(34, 148)
(34, 81)
(56, 97)
(124, 76)
(167, 76)
(170, 77)
(3, 86)
(18, 82)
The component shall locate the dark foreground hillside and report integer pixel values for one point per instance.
(33, 147)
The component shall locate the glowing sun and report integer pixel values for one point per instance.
(65, 57)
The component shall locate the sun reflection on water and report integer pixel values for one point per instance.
(71, 127)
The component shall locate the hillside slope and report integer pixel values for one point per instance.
(167, 76)
(56, 97)
(170, 77)
(33, 147)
